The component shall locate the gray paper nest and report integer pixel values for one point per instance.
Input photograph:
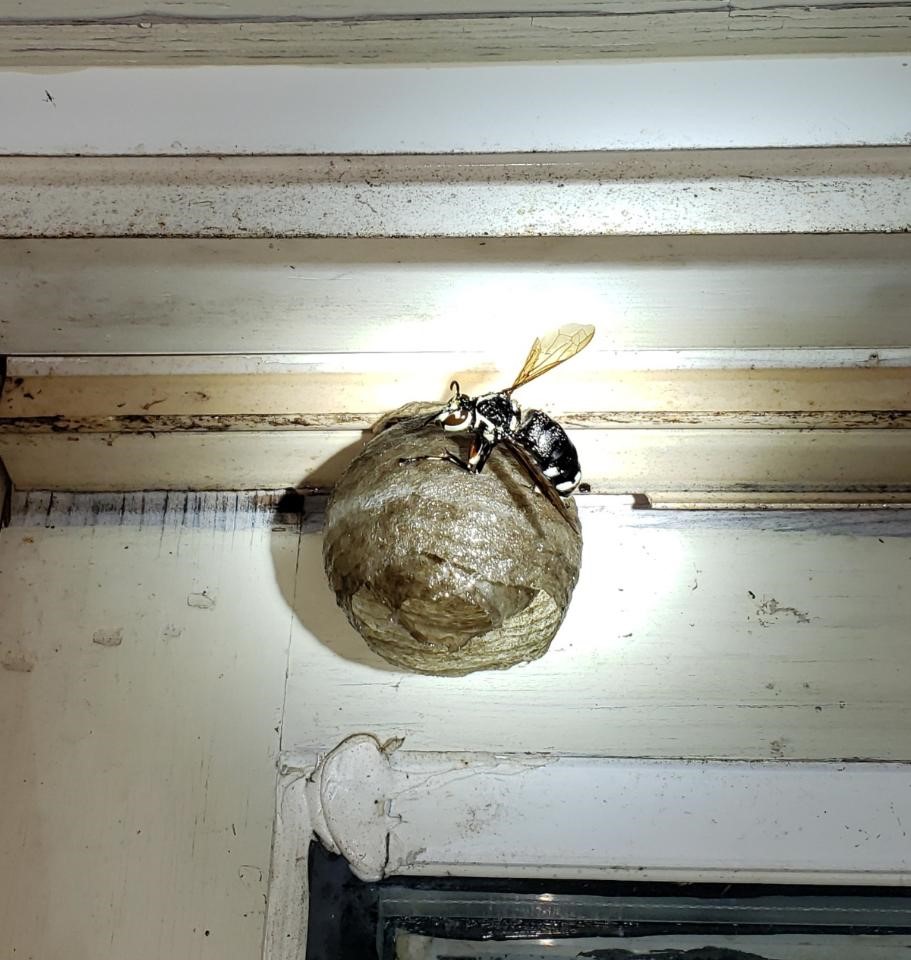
(442, 571)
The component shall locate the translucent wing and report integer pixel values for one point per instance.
(541, 482)
(553, 349)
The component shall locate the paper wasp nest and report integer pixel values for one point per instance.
(443, 571)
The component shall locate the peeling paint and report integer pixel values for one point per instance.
(201, 601)
(778, 748)
(250, 874)
(16, 663)
(769, 611)
(108, 638)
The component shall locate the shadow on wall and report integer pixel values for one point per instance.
(302, 578)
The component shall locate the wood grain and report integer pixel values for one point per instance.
(353, 32)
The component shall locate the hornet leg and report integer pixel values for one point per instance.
(480, 452)
(450, 457)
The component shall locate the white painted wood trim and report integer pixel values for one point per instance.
(355, 32)
(287, 904)
(716, 425)
(292, 109)
(141, 702)
(107, 296)
(751, 636)
(783, 946)
(677, 192)
(872, 462)
(599, 356)
(600, 388)
(393, 812)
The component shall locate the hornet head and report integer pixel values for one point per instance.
(458, 414)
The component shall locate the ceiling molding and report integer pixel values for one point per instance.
(849, 190)
(351, 32)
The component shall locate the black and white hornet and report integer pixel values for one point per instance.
(536, 440)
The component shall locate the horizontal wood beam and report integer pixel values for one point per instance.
(647, 461)
(107, 296)
(353, 32)
(850, 190)
(632, 419)
(130, 423)
(158, 394)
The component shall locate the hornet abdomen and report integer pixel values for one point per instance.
(552, 450)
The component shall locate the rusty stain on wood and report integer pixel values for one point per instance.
(176, 423)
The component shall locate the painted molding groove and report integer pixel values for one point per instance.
(840, 190)
(833, 389)
(857, 465)
(391, 812)
(713, 424)
(318, 31)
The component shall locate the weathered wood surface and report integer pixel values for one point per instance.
(107, 296)
(129, 423)
(754, 636)
(850, 190)
(722, 634)
(146, 687)
(142, 666)
(353, 32)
